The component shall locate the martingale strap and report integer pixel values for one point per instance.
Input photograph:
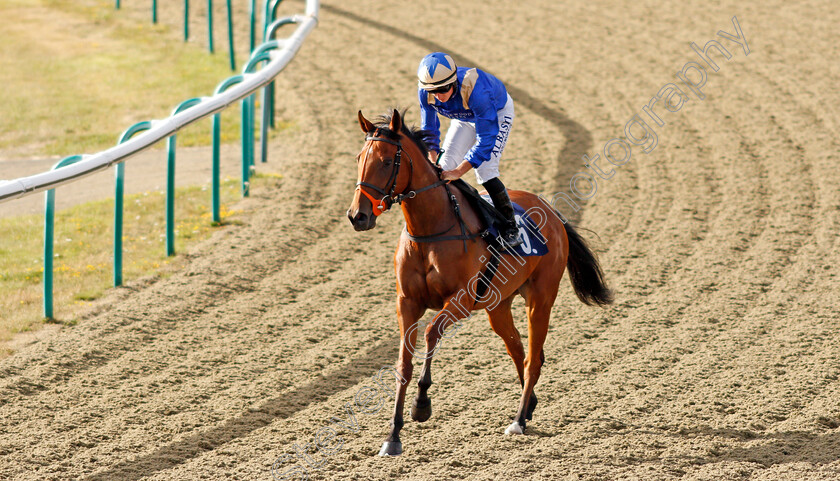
(439, 237)
(457, 209)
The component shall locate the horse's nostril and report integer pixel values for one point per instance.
(359, 219)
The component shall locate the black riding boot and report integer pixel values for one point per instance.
(501, 200)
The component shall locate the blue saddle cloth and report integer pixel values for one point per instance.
(533, 242)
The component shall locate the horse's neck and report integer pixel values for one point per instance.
(430, 212)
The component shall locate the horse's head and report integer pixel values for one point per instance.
(379, 173)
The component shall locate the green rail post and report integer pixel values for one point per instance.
(271, 12)
(170, 179)
(253, 15)
(246, 147)
(270, 32)
(118, 222)
(186, 20)
(210, 25)
(252, 111)
(264, 125)
(217, 126)
(267, 91)
(118, 201)
(154, 11)
(49, 241)
(248, 108)
(118, 4)
(266, 16)
(270, 29)
(49, 238)
(217, 118)
(230, 36)
(263, 50)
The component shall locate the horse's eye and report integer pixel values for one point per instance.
(387, 162)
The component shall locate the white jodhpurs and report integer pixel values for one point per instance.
(461, 137)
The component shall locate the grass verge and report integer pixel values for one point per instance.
(83, 264)
(77, 74)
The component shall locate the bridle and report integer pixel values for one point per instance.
(388, 198)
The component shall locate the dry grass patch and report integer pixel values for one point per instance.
(75, 76)
(83, 263)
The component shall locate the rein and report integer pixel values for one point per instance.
(388, 198)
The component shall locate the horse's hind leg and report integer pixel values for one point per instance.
(539, 302)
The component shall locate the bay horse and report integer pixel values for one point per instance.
(439, 266)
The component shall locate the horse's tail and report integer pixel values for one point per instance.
(587, 276)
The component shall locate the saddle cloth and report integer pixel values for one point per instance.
(534, 244)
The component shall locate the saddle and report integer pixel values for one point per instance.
(534, 242)
(487, 213)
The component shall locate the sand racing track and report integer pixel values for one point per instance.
(719, 359)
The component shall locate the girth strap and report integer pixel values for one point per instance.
(438, 237)
(485, 279)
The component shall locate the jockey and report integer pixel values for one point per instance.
(482, 115)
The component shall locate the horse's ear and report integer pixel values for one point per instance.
(367, 126)
(396, 121)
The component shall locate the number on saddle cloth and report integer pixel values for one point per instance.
(533, 242)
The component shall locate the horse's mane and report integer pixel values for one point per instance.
(414, 133)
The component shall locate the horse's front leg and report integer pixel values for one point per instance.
(408, 313)
(421, 409)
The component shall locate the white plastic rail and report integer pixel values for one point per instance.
(161, 129)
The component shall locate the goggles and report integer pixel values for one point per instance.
(441, 90)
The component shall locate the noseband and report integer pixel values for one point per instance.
(388, 198)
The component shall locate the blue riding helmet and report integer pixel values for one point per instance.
(436, 70)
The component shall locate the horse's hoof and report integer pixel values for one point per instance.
(515, 428)
(421, 411)
(391, 448)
